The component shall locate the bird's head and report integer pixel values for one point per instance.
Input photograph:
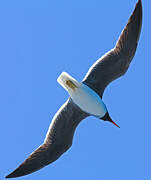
(107, 117)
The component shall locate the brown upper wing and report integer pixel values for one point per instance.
(58, 140)
(116, 62)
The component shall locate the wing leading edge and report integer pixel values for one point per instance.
(116, 62)
(58, 140)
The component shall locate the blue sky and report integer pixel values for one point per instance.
(40, 39)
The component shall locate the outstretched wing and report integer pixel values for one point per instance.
(58, 140)
(116, 62)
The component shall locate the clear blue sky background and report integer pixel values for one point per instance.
(38, 40)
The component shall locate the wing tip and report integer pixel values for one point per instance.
(132, 30)
(139, 7)
(137, 16)
(20, 171)
(8, 176)
(137, 13)
(14, 174)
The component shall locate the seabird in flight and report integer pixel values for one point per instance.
(85, 97)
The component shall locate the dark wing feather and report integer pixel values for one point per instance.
(58, 140)
(116, 62)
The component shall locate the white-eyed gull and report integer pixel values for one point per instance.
(85, 97)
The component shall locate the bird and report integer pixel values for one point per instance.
(85, 97)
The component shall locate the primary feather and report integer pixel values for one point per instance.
(116, 62)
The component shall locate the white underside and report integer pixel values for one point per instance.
(84, 97)
(88, 101)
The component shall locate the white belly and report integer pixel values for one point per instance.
(89, 101)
